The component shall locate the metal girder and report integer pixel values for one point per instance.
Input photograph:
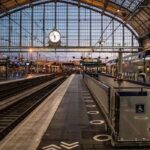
(103, 31)
(66, 51)
(105, 6)
(135, 14)
(71, 47)
(4, 8)
(30, 2)
(17, 2)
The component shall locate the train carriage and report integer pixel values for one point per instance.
(133, 66)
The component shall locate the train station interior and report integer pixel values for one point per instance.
(74, 74)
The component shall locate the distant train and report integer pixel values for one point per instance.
(134, 67)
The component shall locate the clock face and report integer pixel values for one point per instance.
(54, 36)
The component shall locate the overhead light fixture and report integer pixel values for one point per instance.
(30, 50)
(101, 42)
(118, 10)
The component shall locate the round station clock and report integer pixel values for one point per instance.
(54, 36)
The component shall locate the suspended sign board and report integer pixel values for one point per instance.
(89, 63)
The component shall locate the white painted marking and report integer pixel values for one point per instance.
(93, 112)
(141, 117)
(69, 145)
(102, 137)
(89, 101)
(91, 106)
(87, 97)
(51, 147)
(97, 122)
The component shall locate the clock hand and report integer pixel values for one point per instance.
(54, 35)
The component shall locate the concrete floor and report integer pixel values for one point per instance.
(71, 122)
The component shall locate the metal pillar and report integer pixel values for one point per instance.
(9, 38)
(132, 42)
(90, 28)
(6, 65)
(37, 67)
(20, 43)
(123, 36)
(78, 25)
(32, 26)
(113, 37)
(67, 24)
(144, 64)
(97, 65)
(120, 61)
(55, 15)
(43, 25)
(101, 28)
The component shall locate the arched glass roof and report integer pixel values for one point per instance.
(136, 13)
(81, 29)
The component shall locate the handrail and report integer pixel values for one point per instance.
(107, 89)
(98, 82)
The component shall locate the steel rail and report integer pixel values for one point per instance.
(13, 115)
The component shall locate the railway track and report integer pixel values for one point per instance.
(20, 86)
(11, 116)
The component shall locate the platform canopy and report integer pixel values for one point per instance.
(136, 13)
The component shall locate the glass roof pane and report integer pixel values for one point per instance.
(129, 4)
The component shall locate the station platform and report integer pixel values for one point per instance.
(68, 119)
(71, 128)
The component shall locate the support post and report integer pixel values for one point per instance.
(10, 30)
(79, 25)
(90, 28)
(32, 27)
(20, 29)
(55, 14)
(67, 25)
(44, 25)
(120, 61)
(37, 69)
(144, 69)
(6, 69)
